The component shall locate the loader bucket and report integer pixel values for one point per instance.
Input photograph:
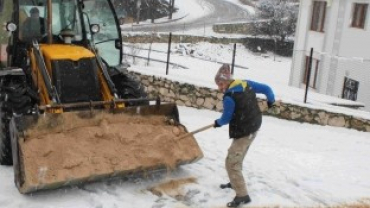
(71, 148)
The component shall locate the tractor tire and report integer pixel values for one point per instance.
(129, 88)
(16, 98)
(5, 147)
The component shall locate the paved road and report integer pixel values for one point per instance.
(222, 12)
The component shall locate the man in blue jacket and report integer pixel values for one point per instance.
(242, 113)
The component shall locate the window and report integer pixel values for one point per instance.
(350, 89)
(318, 16)
(314, 72)
(359, 15)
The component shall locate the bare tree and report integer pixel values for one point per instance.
(276, 19)
(172, 5)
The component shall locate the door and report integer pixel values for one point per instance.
(108, 39)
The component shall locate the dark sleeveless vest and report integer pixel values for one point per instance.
(247, 117)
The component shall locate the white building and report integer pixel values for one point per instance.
(339, 33)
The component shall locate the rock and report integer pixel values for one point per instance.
(209, 103)
(219, 106)
(337, 121)
(200, 101)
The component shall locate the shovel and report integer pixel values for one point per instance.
(195, 131)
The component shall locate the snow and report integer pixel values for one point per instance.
(250, 9)
(290, 164)
(189, 10)
(265, 68)
(310, 166)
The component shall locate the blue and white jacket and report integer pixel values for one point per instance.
(238, 86)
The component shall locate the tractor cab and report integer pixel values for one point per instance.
(78, 22)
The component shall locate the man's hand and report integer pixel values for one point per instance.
(216, 125)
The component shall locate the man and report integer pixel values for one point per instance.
(241, 111)
(34, 26)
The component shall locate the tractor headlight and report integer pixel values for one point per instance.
(11, 27)
(95, 28)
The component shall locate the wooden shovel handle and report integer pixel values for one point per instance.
(195, 131)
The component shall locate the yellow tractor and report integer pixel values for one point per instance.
(70, 112)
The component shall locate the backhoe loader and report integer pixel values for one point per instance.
(70, 112)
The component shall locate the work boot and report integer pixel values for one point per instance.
(239, 200)
(226, 185)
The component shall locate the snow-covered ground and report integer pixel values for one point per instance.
(289, 164)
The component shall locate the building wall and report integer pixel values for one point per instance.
(354, 53)
(343, 51)
(355, 42)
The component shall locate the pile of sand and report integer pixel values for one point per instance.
(70, 149)
(172, 188)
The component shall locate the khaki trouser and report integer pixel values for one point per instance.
(234, 163)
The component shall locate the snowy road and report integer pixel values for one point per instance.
(289, 164)
(202, 13)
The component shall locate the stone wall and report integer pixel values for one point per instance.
(184, 94)
(238, 28)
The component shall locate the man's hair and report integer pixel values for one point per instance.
(34, 10)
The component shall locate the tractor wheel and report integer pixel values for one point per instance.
(15, 99)
(5, 147)
(129, 88)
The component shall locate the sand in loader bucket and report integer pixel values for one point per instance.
(67, 149)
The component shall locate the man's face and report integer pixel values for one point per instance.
(222, 85)
(35, 15)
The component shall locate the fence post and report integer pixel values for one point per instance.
(204, 29)
(233, 60)
(274, 48)
(168, 52)
(308, 75)
(150, 49)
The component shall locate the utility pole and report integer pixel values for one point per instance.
(308, 76)
(168, 52)
(233, 60)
